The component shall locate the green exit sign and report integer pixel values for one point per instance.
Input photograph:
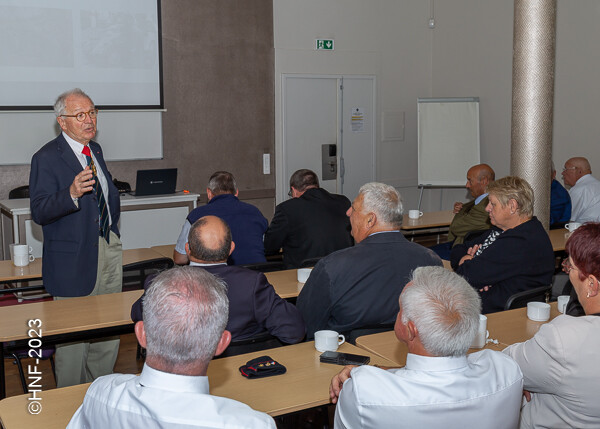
(324, 44)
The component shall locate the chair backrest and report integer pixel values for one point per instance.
(310, 262)
(265, 267)
(134, 274)
(520, 299)
(352, 335)
(259, 342)
(559, 282)
(20, 192)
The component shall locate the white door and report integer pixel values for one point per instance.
(329, 110)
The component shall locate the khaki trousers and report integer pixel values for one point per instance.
(79, 362)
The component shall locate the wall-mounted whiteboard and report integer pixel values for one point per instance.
(448, 140)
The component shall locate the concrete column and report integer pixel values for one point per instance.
(533, 98)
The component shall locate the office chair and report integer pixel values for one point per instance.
(135, 274)
(259, 342)
(520, 299)
(20, 192)
(17, 355)
(310, 262)
(265, 267)
(352, 335)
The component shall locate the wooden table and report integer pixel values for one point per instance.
(10, 273)
(558, 237)
(428, 220)
(304, 385)
(166, 250)
(65, 320)
(508, 327)
(285, 283)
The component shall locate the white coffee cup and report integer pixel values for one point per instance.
(563, 300)
(21, 249)
(538, 311)
(414, 214)
(572, 226)
(482, 333)
(328, 341)
(303, 274)
(23, 260)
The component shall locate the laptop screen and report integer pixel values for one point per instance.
(156, 182)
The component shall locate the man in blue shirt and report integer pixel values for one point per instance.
(560, 201)
(246, 222)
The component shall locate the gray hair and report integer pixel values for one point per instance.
(185, 314)
(444, 308)
(199, 249)
(60, 105)
(385, 201)
(222, 182)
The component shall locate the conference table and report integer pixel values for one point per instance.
(10, 273)
(73, 319)
(508, 327)
(304, 385)
(429, 220)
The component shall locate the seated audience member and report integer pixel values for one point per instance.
(560, 202)
(358, 287)
(246, 222)
(185, 314)
(560, 363)
(310, 225)
(517, 253)
(440, 386)
(471, 216)
(254, 307)
(584, 192)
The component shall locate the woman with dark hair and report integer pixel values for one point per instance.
(516, 254)
(559, 364)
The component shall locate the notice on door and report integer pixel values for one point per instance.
(358, 119)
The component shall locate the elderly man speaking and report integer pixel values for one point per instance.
(358, 287)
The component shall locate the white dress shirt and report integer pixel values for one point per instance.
(585, 200)
(560, 368)
(480, 390)
(77, 149)
(157, 399)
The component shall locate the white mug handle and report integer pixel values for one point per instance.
(341, 339)
(566, 226)
(420, 214)
(31, 258)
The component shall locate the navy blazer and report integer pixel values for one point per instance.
(254, 307)
(311, 226)
(70, 254)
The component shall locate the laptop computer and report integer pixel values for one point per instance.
(155, 182)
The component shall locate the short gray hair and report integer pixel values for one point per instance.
(222, 182)
(514, 188)
(444, 308)
(185, 314)
(385, 201)
(60, 105)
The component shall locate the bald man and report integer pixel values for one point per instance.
(469, 216)
(254, 307)
(584, 192)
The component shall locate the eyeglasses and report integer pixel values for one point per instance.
(290, 193)
(569, 168)
(81, 115)
(567, 266)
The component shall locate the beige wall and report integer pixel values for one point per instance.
(469, 53)
(218, 90)
(223, 81)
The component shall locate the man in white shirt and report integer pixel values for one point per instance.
(584, 192)
(440, 386)
(185, 314)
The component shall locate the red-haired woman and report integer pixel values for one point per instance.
(559, 364)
